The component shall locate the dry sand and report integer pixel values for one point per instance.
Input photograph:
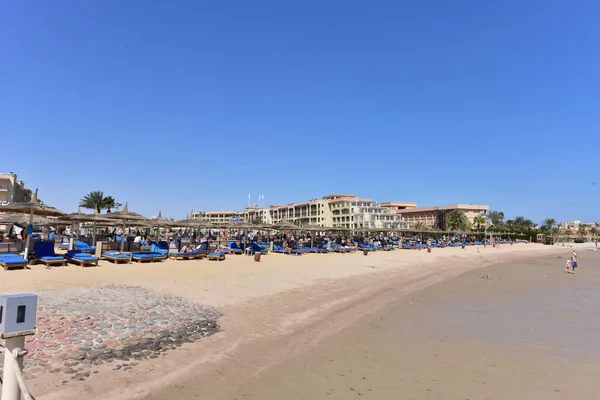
(274, 310)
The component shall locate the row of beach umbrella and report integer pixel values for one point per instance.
(37, 213)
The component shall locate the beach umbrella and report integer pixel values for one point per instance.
(287, 226)
(125, 216)
(33, 207)
(159, 221)
(95, 218)
(13, 218)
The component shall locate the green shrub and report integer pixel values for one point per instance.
(579, 240)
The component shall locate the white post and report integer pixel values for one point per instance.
(10, 385)
(28, 238)
(123, 237)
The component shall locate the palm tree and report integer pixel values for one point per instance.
(456, 220)
(479, 222)
(419, 226)
(510, 225)
(97, 202)
(93, 201)
(548, 225)
(523, 224)
(582, 230)
(496, 218)
(109, 203)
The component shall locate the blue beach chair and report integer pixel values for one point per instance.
(44, 253)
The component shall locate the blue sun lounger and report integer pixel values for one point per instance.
(216, 256)
(84, 247)
(148, 256)
(44, 253)
(258, 248)
(364, 247)
(116, 257)
(234, 248)
(159, 249)
(82, 259)
(188, 255)
(8, 261)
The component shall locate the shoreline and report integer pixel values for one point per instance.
(304, 301)
(511, 336)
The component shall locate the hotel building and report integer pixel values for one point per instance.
(347, 211)
(333, 210)
(13, 190)
(217, 217)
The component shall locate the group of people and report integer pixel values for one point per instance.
(571, 264)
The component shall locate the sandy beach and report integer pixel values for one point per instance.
(527, 332)
(275, 312)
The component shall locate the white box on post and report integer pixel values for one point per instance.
(18, 314)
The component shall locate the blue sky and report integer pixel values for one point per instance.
(194, 104)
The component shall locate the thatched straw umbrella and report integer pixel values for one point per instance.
(33, 207)
(95, 218)
(286, 226)
(14, 218)
(125, 216)
(159, 221)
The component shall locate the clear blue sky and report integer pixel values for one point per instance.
(193, 104)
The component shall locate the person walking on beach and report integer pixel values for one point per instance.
(568, 266)
(574, 261)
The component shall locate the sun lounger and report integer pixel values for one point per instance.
(158, 249)
(44, 253)
(234, 248)
(216, 256)
(116, 257)
(189, 255)
(64, 246)
(82, 259)
(83, 247)
(364, 247)
(148, 257)
(9, 261)
(256, 248)
(341, 249)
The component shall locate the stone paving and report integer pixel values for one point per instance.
(82, 327)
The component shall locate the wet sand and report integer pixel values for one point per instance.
(529, 332)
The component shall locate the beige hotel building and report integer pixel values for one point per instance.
(342, 210)
(13, 190)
